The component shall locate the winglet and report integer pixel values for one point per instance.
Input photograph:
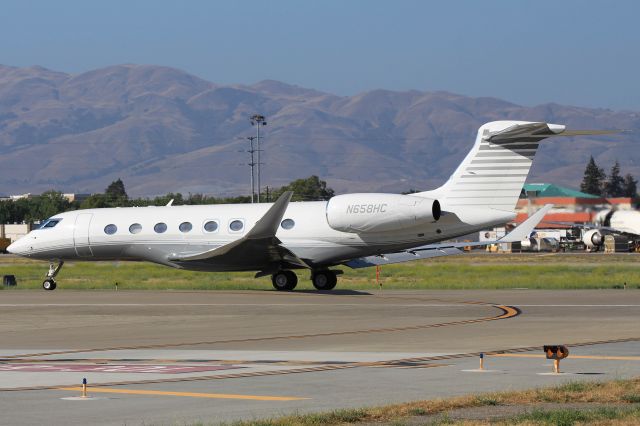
(268, 224)
(523, 230)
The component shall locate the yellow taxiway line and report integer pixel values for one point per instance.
(187, 394)
(602, 357)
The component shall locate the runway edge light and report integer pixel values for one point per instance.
(84, 388)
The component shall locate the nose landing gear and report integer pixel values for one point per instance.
(49, 283)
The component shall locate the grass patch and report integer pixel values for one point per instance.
(570, 417)
(335, 417)
(574, 386)
(614, 392)
(485, 400)
(633, 398)
(473, 271)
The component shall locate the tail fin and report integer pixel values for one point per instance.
(494, 171)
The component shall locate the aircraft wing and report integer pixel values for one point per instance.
(622, 231)
(519, 233)
(260, 243)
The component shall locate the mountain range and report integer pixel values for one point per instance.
(163, 130)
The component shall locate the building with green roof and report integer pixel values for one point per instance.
(551, 190)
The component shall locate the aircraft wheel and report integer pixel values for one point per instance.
(324, 280)
(49, 284)
(284, 280)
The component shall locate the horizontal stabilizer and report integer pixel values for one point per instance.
(539, 130)
(590, 132)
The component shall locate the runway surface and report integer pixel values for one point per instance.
(180, 357)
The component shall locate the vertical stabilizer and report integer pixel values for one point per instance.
(494, 171)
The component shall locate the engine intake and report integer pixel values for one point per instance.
(361, 213)
(593, 238)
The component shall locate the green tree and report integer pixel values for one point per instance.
(309, 189)
(592, 182)
(116, 194)
(614, 186)
(630, 186)
(95, 201)
(48, 204)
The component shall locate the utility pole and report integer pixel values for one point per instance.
(252, 164)
(258, 120)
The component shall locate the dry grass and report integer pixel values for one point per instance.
(619, 392)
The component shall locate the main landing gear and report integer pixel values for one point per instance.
(49, 283)
(322, 280)
(284, 280)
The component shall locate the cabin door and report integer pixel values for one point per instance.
(81, 235)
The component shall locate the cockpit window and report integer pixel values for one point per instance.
(49, 223)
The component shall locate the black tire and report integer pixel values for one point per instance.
(324, 280)
(49, 284)
(284, 280)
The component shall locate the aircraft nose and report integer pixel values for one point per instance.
(12, 248)
(17, 247)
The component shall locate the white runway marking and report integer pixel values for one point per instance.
(66, 305)
(410, 305)
(579, 306)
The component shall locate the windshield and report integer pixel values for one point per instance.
(49, 223)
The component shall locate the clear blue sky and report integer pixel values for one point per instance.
(583, 53)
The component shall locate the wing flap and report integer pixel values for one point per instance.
(407, 256)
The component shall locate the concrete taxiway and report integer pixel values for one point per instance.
(167, 357)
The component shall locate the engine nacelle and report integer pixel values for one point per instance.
(592, 239)
(360, 213)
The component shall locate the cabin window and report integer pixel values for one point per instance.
(211, 226)
(160, 228)
(185, 227)
(49, 223)
(110, 229)
(288, 224)
(135, 228)
(236, 225)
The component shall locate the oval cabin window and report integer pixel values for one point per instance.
(160, 228)
(288, 224)
(236, 225)
(211, 226)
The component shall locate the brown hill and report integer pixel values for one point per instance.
(162, 130)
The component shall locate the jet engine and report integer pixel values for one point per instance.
(593, 239)
(361, 213)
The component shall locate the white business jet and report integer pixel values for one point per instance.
(356, 230)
